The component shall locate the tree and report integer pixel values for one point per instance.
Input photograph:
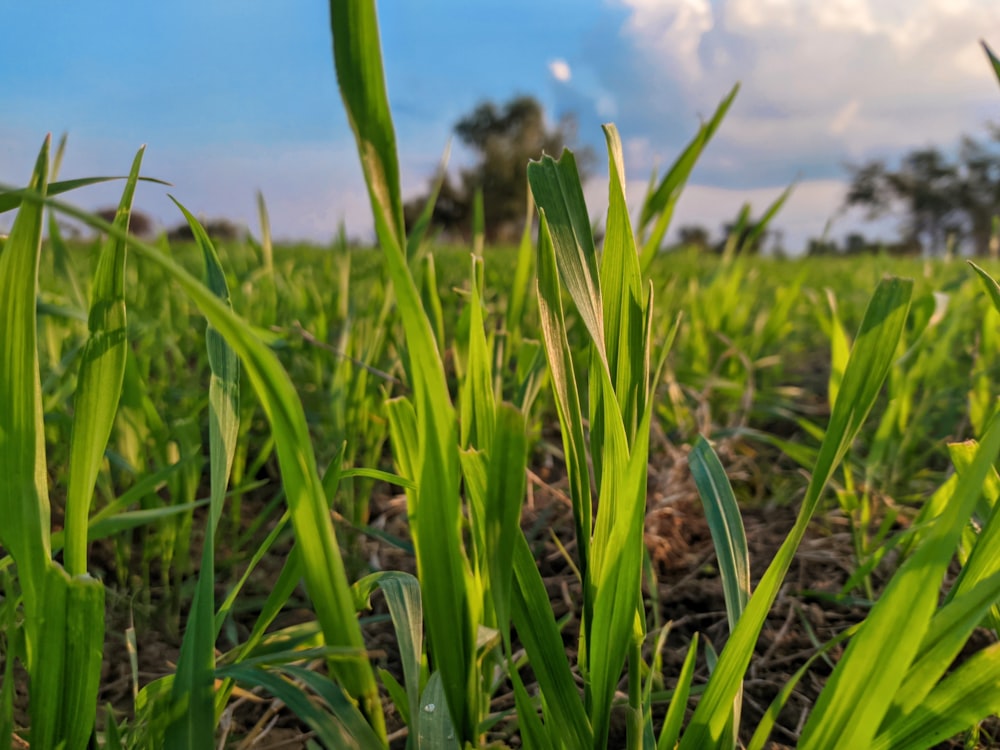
(504, 138)
(694, 235)
(139, 223)
(941, 200)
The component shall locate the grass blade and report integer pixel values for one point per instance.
(559, 195)
(24, 498)
(326, 579)
(193, 694)
(99, 386)
(660, 201)
(538, 632)
(726, 525)
(436, 514)
(873, 353)
(402, 594)
(357, 54)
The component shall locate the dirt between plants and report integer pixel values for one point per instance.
(687, 593)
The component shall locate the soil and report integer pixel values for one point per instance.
(686, 592)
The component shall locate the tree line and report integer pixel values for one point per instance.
(944, 201)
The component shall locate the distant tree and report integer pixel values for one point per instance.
(694, 236)
(743, 235)
(980, 191)
(942, 201)
(217, 229)
(504, 138)
(821, 246)
(855, 244)
(139, 223)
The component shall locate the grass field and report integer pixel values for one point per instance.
(554, 495)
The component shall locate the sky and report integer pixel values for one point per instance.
(234, 97)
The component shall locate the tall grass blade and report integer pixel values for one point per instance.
(99, 385)
(24, 497)
(563, 377)
(661, 200)
(193, 695)
(539, 634)
(559, 196)
(357, 54)
(436, 514)
(504, 497)
(66, 676)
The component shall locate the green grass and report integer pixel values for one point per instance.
(174, 453)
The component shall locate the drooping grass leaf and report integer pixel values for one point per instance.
(10, 198)
(350, 732)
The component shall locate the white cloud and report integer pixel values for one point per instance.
(875, 74)
(560, 70)
(671, 29)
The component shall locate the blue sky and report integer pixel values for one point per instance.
(232, 97)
